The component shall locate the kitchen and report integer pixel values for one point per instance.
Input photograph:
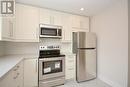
(21, 44)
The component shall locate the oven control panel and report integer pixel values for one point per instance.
(52, 47)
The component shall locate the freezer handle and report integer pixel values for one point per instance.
(87, 48)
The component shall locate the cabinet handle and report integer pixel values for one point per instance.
(16, 76)
(37, 33)
(70, 68)
(11, 28)
(36, 65)
(50, 20)
(17, 67)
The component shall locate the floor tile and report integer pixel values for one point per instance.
(92, 83)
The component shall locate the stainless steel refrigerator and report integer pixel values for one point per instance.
(84, 45)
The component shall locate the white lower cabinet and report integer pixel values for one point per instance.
(13, 78)
(70, 67)
(31, 73)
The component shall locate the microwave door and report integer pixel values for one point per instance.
(48, 32)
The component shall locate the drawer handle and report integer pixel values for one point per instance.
(71, 69)
(71, 60)
(36, 66)
(17, 67)
(17, 76)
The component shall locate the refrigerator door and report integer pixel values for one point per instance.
(86, 64)
(86, 40)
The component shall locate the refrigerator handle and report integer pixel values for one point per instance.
(86, 48)
(74, 45)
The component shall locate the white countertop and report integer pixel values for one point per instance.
(9, 61)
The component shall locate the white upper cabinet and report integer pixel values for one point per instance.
(27, 23)
(24, 27)
(66, 28)
(7, 28)
(80, 22)
(56, 18)
(84, 22)
(50, 17)
(45, 16)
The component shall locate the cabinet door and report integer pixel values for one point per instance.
(75, 21)
(30, 72)
(45, 17)
(7, 28)
(27, 23)
(7, 80)
(19, 74)
(50, 17)
(84, 23)
(70, 67)
(56, 18)
(13, 78)
(67, 29)
(80, 22)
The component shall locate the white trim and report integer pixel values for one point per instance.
(109, 82)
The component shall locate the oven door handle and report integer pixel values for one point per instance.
(52, 59)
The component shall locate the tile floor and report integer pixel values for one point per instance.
(92, 83)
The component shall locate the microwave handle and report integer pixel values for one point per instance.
(57, 32)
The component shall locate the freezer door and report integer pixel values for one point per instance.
(86, 65)
(86, 40)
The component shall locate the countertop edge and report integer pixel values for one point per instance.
(18, 58)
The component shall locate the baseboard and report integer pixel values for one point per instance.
(109, 82)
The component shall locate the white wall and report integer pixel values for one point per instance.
(111, 27)
(2, 51)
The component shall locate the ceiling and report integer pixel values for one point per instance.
(91, 7)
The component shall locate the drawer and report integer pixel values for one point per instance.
(18, 74)
(70, 74)
(16, 68)
(70, 70)
(70, 64)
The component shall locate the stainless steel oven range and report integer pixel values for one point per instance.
(51, 66)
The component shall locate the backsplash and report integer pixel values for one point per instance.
(65, 47)
(46, 41)
(33, 48)
(21, 48)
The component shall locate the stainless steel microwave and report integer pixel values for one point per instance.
(50, 31)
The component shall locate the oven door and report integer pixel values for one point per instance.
(51, 67)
